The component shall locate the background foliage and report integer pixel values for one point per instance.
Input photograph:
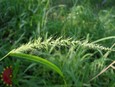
(30, 21)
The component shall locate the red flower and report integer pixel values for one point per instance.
(7, 76)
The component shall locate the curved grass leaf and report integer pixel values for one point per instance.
(37, 59)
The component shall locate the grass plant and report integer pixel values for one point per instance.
(74, 38)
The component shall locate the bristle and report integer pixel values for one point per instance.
(10, 85)
(1, 79)
(4, 69)
(7, 85)
(10, 76)
(3, 82)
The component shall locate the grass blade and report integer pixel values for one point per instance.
(39, 60)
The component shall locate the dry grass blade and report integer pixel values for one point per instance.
(111, 65)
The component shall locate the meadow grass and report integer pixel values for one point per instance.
(75, 39)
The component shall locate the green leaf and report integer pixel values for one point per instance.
(37, 59)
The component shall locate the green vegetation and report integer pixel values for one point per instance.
(58, 43)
